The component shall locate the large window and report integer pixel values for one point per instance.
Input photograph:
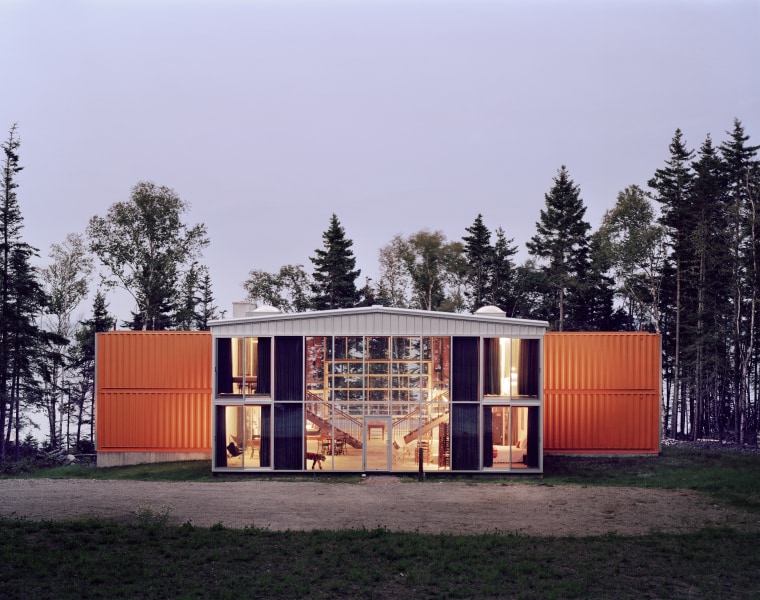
(370, 395)
(243, 366)
(509, 436)
(510, 367)
(243, 436)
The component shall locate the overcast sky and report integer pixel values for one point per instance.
(396, 115)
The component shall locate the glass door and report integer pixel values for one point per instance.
(377, 443)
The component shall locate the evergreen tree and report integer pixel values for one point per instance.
(21, 300)
(562, 242)
(83, 364)
(740, 167)
(480, 260)
(334, 276)
(705, 327)
(208, 311)
(672, 187)
(187, 316)
(502, 289)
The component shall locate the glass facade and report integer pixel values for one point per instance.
(373, 402)
(377, 403)
(511, 406)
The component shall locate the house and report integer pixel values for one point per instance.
(375, 389)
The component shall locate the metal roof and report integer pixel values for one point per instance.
(378, 320)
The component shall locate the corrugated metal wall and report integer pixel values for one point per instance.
(154, 391)
(601, 393)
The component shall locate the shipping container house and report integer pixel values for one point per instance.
(375, 390)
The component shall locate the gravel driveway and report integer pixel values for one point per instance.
(428, 507)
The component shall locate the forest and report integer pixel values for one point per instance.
(677, 255)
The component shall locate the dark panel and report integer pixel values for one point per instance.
(288, 368)
(288, 436)
(464, 376)
(464, 437)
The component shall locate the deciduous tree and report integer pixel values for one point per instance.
(288, 289)
(145, 246)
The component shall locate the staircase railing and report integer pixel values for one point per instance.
(318, 411)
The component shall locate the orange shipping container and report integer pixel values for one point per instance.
(153, 396)
(602, 393)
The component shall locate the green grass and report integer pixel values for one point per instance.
(145, 558)
(98, 559)
(729, 477)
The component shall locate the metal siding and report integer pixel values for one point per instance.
(154, 391)
(601, 393)
(601, 361)
(172, 421)
(147, 359)
(376, 321)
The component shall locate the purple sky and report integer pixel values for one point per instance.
(397, 115)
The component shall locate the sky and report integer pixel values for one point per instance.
(269, 116)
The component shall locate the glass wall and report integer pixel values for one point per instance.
(243, 438)
(242, 415)
(511, 367)
(364, 403)
(511, 406)
(374, 401)
(243, 366)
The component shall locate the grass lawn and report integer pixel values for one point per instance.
(148, 559)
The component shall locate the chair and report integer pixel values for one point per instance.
(233, 448)
(340, 446)
(326, 447)
(400, 453)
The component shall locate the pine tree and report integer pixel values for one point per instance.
(208, 311)
(334, 276)
(502, 290)
(740, 168)
(480, 258)
(21, 299)
(562, 242)
(83, 363)
(706, 329)
(187, 316)
(672, 186)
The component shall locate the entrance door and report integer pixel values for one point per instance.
(377, 443)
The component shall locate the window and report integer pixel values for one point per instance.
(511, 367)
(243, 436)
(510, 436)
(356, 382)
(243, 366)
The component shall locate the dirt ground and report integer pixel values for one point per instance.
(381, 501)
